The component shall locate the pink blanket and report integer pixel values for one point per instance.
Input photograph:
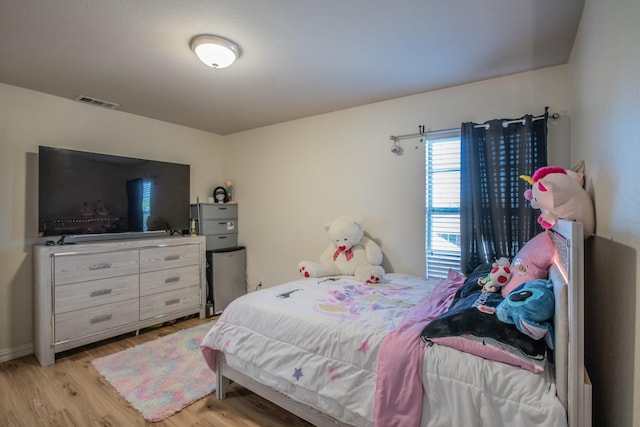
(399, 391)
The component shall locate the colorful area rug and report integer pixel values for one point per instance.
(161, 377)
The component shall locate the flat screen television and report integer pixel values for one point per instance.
(92, 196)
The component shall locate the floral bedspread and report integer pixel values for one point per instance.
(317, 340)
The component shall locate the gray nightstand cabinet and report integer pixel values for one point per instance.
(225, 260)
(218, 222)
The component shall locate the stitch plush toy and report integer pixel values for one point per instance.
(530, 308)
(558, 193)
(350, 253)
(498, 277)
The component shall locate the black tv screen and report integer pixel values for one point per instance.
(83, 193)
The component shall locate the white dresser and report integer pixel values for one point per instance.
(87, 292)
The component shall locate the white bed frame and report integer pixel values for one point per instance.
(574, 387)
(568, 238)
(226, 374)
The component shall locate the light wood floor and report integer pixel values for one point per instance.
(72, 393)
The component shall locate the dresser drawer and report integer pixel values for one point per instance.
(86, 267)
(159, 281)
(152, 259)
(221, 241)
(218, 226)
(157, 305)
(76, 296)
(79, 323)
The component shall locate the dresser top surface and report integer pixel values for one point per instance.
(116, 245)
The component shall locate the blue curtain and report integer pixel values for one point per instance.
(495, 218)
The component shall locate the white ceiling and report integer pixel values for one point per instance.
(299, 57)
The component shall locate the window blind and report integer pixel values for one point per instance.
(442, 210)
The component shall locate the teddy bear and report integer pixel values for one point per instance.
(497, 277)
(349, 253)
(530, 308)
(559, 194)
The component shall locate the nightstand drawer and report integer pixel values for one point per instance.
(158, 305)
(218, 226)
(76, 296)
(82, 268)
(155, 282)
(214, 211)
(79, 323)
(221, 241)
(152, 259)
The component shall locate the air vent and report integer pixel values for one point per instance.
(98, 102)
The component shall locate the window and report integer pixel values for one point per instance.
(442, 242)
(146, 204)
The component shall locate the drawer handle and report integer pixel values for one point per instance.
(100, 292)
(171, 257)
(102, 318)
(100, 266)
(222, 237)
(222, 223)
(172, 279)
(172, 301)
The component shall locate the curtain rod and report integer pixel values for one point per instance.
(396, 138)
(427, 134)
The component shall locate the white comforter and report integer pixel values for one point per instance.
(466, 390)
(318, 341)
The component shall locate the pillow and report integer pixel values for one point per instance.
(470, 326)
(531, 262)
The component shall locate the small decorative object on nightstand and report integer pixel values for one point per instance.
(220, 195)
(229, 187)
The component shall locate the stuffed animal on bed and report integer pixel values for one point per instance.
(530, 308)
(559, 194)
(350, 253)
(498, 277)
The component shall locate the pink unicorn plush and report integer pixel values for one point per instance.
(559, 194)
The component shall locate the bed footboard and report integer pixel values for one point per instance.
(226, 374)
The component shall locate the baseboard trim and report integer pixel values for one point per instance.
(16, 352)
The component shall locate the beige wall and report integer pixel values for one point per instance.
(292, 178)
(29, 119)
(605, 94)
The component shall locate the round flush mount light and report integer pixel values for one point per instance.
(214, 51)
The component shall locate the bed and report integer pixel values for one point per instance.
(337, 352)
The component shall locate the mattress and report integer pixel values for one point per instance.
(319, 341)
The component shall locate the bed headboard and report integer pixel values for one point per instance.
(567, 276)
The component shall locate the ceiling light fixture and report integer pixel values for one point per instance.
(214, 51)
